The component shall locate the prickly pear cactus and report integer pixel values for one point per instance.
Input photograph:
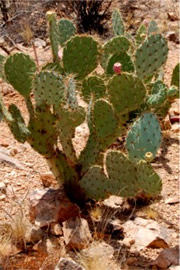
(117, 79)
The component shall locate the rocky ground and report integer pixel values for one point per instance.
(124, 236)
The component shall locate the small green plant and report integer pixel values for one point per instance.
(131, 82)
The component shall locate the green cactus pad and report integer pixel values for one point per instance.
(48, 89)
(116, 45)
(126, 93)
(105, 121)
(175, 75)
(19, 69)
(151, 55)
(153, 28)
(53, 34)
(93, 86)
(124, 59)
(17, 126)
(2, 60)
(144, 136)
(80, 56)
(117, 23)
(122, 175)
(95, 183)
(141, 34)
(43, 131)
(6, 115)
(66, 30)
(158, 94)
(148, 180)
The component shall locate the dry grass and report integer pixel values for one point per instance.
(94, 263)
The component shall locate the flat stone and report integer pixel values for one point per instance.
(34, 235)
(2, 188)
(76, 233)
(56, 229)
(147, 233)
(50, 206)
(113, 202)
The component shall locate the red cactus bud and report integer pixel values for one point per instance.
(117, 68)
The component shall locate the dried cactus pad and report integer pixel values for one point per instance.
(126, 93)
(93, 86)
(66, 30)
(19, 69)
(2, 60)
(151, 55)
(80, 56)
(144, 136)
(48, 88)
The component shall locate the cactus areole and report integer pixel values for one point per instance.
(128, 85)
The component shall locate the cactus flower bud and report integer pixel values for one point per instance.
(148, 156)
(60, 53)
(117, 68)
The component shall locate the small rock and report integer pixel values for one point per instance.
(2, 41)
(13, 152)
(147, 233)
(174, 267)
(2, 188)
(172, 16)
(34, 235)
(113, 202)
(131, 260)
(68, 264)
(47, 179)
(174, 110)
(39, 43)
(76, 233)
(50, 206)
(2, 197)
(166, 123)
(176, 127)
(172, 36)
(49, 245)
(172, 200)
(168, 257)
(56, 229)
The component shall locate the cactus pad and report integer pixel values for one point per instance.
(126, 93)
(144, 136)
(105, 121)
(148, 180)
(48, 89)
(80, 56)
(175, 75)
(117, 22)
(122, 174)
(153, 28)
(43, 131)
(158, 94)
(115, 45)
(19, 69)
(141, 34)
(17, 126)
(151, 55)
(66, 30)
(93, 86)
(124, 59)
